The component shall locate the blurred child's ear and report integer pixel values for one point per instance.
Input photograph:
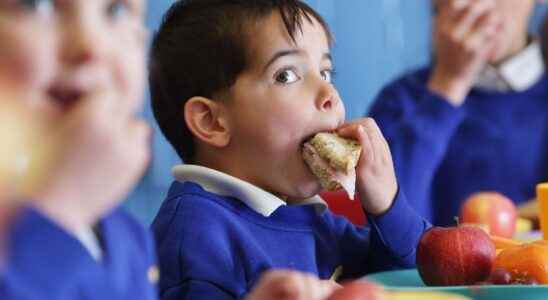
(206, 120)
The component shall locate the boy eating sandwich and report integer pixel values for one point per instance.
(238, 88)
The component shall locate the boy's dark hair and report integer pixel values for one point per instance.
(200, 49)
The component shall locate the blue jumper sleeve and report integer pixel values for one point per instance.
(395, 236)
(418, 125)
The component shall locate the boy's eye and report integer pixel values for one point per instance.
(117, 9)
(287, 76)
(43, 7)
(327, 75)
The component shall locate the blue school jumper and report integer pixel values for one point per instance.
(45, 262)
(495, 141)
(216, 247)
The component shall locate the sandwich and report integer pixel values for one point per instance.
(333, 159)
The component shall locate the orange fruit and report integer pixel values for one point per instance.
(526, 263)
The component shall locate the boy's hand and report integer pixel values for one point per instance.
(291, 285)
(464, 38)
(101, 151)
(375, 177)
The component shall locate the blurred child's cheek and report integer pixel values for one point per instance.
(26, 62)
(130, 60)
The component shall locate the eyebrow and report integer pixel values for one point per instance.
(294, 52)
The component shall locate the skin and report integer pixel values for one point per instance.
(283, 98)
(80, 65)
(469, 34)
(18, 132)
(290, 285)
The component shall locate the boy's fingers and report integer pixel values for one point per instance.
(371, 136)
(290, 285)
(376, 138)
(313, 288)
(379, 138)
(327, 287)
(368, 152)
(277, 285)
(357, 131)
(348, 126)
(344, 127)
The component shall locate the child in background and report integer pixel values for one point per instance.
(237, 88)
(77, 67)
(80, 65)
(475, 119)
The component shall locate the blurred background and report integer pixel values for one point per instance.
(376, 41)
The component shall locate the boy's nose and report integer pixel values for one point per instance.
(81, 44)
(327, 98)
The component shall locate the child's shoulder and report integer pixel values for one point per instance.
(194, 225)
(414, 79)
(188, 206)
(119, 222)
(189, 198)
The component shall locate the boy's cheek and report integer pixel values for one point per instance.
(130, 59)
(24, 64)
(131, 80)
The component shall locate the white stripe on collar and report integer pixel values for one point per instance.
(219, 183)
(90, 241)
(518, 73)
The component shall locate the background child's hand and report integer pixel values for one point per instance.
(291, 285)
(101, 151)
(18, 131)
(464, 37)
(375, 177)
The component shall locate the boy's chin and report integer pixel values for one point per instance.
(305, 191)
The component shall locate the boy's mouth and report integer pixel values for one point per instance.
(330, 129)
(65, 97)
(307, 138)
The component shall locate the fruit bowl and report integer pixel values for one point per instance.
(411, 281)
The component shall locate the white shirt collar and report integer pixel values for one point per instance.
(518, 73)
(89, 240)
(219, 183)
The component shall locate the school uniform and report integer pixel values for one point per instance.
(495, 141)
(217, 234)
(46, 262)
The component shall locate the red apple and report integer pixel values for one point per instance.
(492, 209)
(359, 290)
(461, 255)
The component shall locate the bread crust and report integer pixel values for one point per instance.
(342, 154)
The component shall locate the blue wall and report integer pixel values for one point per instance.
(376, 40)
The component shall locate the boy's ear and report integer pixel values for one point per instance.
(207, 121)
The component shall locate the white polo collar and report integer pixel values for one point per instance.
(219, 183)
(518, 73)
(90, 241)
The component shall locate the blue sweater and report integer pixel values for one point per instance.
(44, 262)
(216, 247)
(494, 141)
